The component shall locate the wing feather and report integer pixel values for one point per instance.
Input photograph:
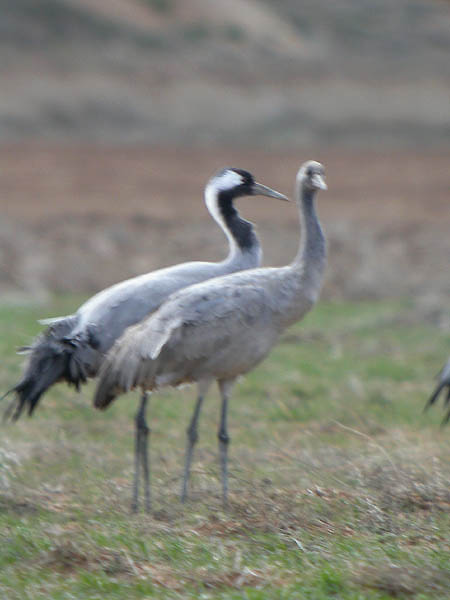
(198, 323)
(211, 321)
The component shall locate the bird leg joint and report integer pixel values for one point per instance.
(192, 434)
(223, 437)
(141, 423)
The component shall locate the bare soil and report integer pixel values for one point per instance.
(77, 218)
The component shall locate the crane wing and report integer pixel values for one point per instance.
(191, 327)
(195, 324)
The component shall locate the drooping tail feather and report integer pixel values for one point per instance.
(108, 387)
(53, 357)
(103, 397)
(130, 363)
(119, 371)
(38, 377)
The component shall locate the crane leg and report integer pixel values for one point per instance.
(434, 396)
(447, 404)
(192, 435)
(137, 461)
(447, 400)
(224, 438)
(141, 455)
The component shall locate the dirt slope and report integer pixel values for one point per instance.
(248, 73)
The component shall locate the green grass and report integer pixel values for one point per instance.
(339, 483)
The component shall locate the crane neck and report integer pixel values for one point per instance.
(311, 255)
(240, 233)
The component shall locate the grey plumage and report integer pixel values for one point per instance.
(443, 382)
(222, 328)
(73, 347)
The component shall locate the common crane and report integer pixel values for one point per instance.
(443, 382)
(72, 348)
(222, 328)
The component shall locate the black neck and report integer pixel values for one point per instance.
(241, 230)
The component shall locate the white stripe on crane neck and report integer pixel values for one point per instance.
(226, 181)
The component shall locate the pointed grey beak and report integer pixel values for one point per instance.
(258, 189)
(319, 182)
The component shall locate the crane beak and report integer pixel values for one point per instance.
(319, 182)
(258, 189)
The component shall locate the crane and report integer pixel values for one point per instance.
(73, 347)
(222, 328)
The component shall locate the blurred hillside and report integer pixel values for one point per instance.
(77, 218)
(114, 113)
(266, 72)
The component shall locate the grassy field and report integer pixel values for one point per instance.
(339, 483)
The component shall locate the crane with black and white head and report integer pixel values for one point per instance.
(222, 328)
(72, 348)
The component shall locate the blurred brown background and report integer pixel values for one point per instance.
(114, 113)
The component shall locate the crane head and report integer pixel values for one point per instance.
(238, 182)
(311, 175)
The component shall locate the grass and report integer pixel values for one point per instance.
(339, 483)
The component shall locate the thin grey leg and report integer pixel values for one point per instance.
(434, 396)
(137, 456)
(141, 455)
(145, 456)
(224, 438)
(447, 403)
(447, 400)
(192, 437)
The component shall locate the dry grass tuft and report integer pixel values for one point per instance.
(68, 557)
(405, 582)
(234, 579)
(409, 489)
(9, 505)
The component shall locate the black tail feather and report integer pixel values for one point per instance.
(434, 396)
(447, 400)
(446, 419)
(53, 357)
